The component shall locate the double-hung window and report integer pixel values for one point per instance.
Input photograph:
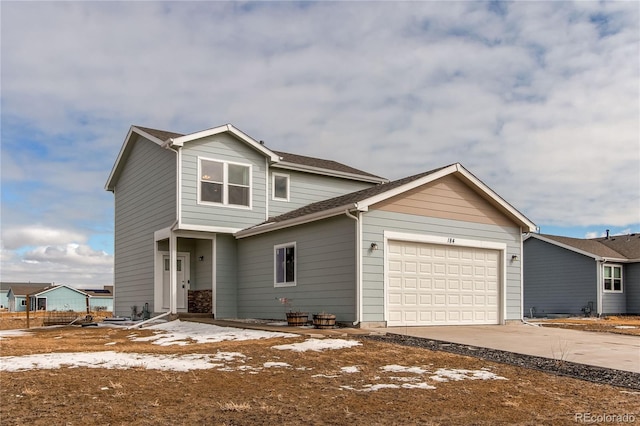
(225, 183)
(612, 276)
(284, 259)
(280, 187)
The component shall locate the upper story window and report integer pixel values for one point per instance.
(612, 275)
(280, 187)
(225, 183)
(284, 265)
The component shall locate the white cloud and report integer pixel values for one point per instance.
(539, 99)
(38, 235)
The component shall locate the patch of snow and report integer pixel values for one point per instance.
(318, 345)
(625, 327)
(402, 369)
(326, 376)
(228, 356)
(351, 369)
(107, 359)
(445, 374)
(110, 344)
(406, 379)
(184, 333)
(276, 364)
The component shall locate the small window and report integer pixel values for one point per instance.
(23, 302)
(285, 265)
(225, 183)
(280, 187)
(612, 278)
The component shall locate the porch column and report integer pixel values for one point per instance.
(173, 273)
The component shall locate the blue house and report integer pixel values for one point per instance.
(216, 222)
(599, 276)
(22, 288)
(49, 298)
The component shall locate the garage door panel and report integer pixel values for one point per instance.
(434, 284)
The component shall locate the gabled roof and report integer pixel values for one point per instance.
(312, 164)
(22, 290)
(5, 286)
(56, 287)
(361, 200)
(285, 160)
(619, 248)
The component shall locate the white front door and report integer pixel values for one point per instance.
(182, 272)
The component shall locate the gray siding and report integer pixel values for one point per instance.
(614, 303)
(632, 287)
(144, 202)
(377, 221)
(222, 147)
(226, 276)
(557, 280)
(307, 188)
(326, 274)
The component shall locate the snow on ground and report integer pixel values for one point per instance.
(183, 333)
(318, 345)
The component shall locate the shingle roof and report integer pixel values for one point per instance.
(302, 160)
(5, 286)
(621, 247)
(163, 135)
(23, 290)
(348, 199)
(321, 163)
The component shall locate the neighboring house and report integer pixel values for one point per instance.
(576, 276)
(100, 299)
(216, 222)
(18, 300)
(51, 298)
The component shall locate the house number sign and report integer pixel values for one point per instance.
(451, 240)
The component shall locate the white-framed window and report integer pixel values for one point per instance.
(284, 265)
(612, 278)
(280, 186)
(224, 183)
(23, 302)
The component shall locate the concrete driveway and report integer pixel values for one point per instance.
(620, 352)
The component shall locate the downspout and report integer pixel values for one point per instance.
(267, 187)
(599, 307)
(358, 265)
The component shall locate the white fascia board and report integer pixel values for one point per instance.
(273, 226)
(57, 287)
(564, 246)
(180, 141)
(407, 187)
(124, 149)
(527, 224)
(206, 228)
(328, 172)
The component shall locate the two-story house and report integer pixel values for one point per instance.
(216, 222)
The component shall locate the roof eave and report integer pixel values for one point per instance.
(180, 141)
(273, 226)
(328, 172)
(115, 170)
(564, 246)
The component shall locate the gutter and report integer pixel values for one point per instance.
(358, 264)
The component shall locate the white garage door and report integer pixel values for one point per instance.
(432, 284)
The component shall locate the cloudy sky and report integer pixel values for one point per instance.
(540, 100)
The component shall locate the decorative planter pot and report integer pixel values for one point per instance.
(297, 319)
(324, 320)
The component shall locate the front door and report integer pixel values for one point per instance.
(182, 272)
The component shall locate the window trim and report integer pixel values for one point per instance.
(225, 184)
(613, 266)
(273, 186)
(295, 265)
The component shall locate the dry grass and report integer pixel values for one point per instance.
(312, 391)
(613, 324)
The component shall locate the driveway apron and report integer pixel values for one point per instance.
(620, 352)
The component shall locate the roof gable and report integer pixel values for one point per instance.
(363, 199)
(282, 159)
(22, 290)
(58, 287)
